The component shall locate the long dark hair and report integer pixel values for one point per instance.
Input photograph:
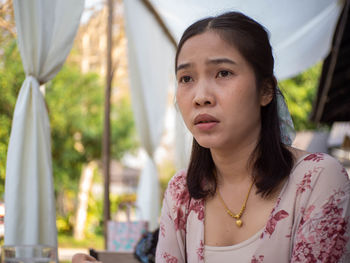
(271, 160)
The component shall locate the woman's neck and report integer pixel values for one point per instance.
(233, 166)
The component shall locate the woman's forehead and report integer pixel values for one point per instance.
(208, 47)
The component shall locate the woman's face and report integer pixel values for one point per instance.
(217, 93)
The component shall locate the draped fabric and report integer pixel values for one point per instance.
(300, 31)
(150, 62)
(45, 31)
(183, 143)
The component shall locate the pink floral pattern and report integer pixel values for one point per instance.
(180, 220)
(181, 197)
(176, 188)
(271, 224)
(309, 223)
(274, 218)
(162, 229)
(345, 173)
(327, 228)
(258, 259)
(200, 250)
(305, 183)
(197, 206)
(306, 213)
(169, 258)
(315, 157)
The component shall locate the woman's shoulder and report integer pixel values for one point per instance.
(177, 190)
(320, 159)
(321, 168)
(178, 180)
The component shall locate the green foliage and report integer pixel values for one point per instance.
(95, 211)
(76, 111)
(11, 78)
(64, 225)
(75, 103)
(123, 133)
(66, 203)
(94, 219)
(300, 92)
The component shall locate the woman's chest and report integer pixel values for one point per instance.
(222, 229)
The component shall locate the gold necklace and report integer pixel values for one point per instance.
(239, 222)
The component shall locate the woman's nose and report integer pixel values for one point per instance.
(203, 96)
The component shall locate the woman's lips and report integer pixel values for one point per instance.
(205, 122)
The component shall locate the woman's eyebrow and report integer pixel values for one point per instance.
(215, 61)
(183, 66)
(220, 61)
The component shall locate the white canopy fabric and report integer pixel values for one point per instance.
(150, 62)
(183, 142)
(300, 33)
(45, 30)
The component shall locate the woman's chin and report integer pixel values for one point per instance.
(211, 144)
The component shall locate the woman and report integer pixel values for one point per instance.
(246, 196)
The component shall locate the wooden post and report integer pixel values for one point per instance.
(107, 126)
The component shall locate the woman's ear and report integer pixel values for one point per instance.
(267, 92)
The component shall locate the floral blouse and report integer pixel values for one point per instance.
(309, 223)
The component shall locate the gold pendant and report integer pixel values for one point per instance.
(239, 222)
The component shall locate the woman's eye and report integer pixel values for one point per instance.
(223, 74)
(185, 79)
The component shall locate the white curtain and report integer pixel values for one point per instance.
(183, 143)
(45, 31)
(301, 31)
(150, 60)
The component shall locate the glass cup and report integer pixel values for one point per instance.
(28, 254)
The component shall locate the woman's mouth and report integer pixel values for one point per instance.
(205, 122)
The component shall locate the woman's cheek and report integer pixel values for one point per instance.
(181, 98)
(184, 110)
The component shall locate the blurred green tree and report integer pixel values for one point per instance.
(75, 103)
(76, 114)
(300, 92)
